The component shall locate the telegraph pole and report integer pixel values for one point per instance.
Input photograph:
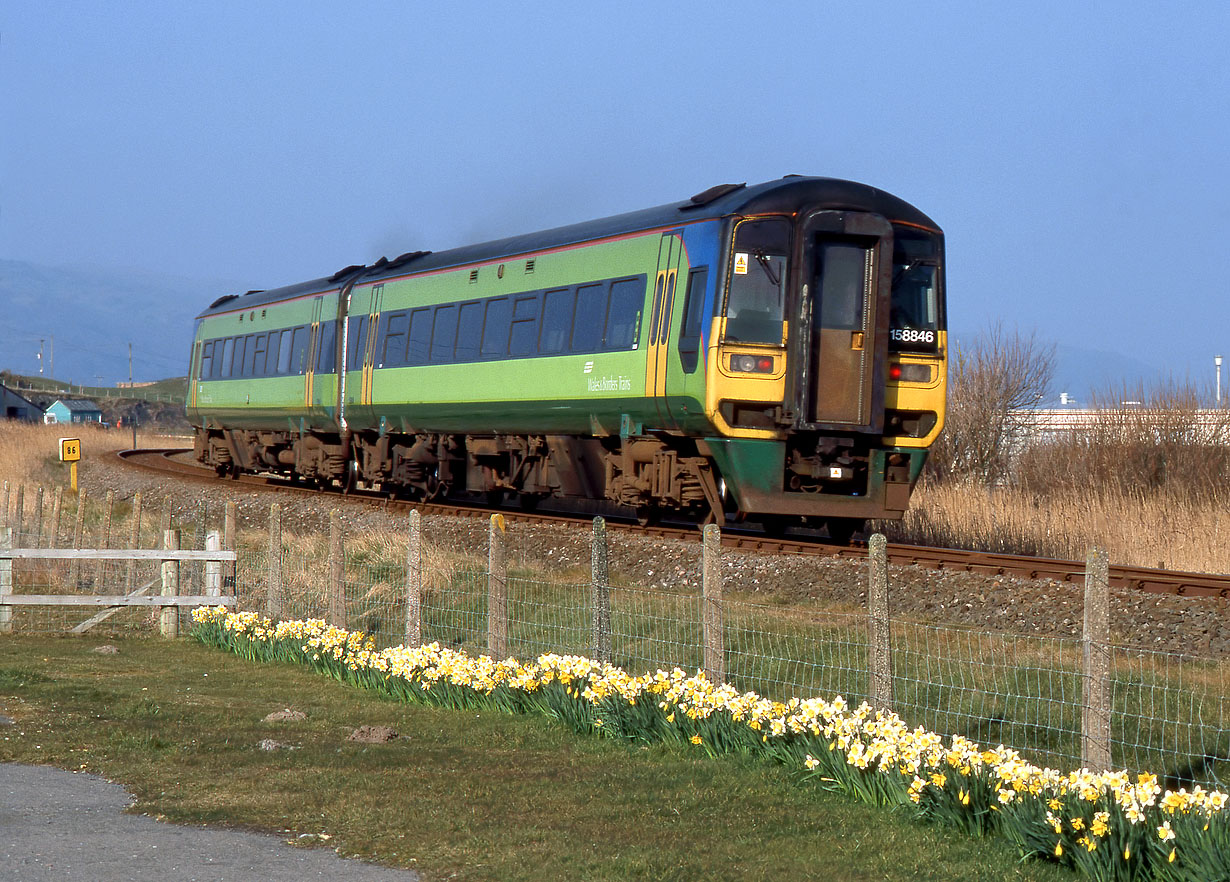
(134, 410)
(40, 356)
(1217, 362)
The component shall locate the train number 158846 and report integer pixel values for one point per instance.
(911, 335)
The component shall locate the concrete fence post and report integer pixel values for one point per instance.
(337, 572)
(1095, 645)
(879, 626)
(169, 619)
(497, 588)
(6, 580)
(711, 604)
(4, 509)
(600, 592)
(213, 568)
(414, 580)
(229, 543)
(273, 601)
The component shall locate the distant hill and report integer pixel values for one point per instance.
(93, 314)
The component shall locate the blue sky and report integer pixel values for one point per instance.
(1076, 154)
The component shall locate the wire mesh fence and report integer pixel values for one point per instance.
(1168, 711)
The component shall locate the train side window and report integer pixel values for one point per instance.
(271, 356)
(693, 320)
(419, 344)
(326, 349)
(443, 334)
(224, 364)
(207, 352)
(258, 355)
(556, 320)
(469, 330)
(623, 321)
(495, 328)
(358, 342)
(238, 363)
(590, 318)
(523, 336)
(299, 350)
(284, 352)
(394, 349)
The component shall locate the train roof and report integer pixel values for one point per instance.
(788, 194)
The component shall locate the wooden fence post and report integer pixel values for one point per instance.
(1095, 645)
(38, 517)
(273, 590)
(879, 626)
(134, 542)
(337, 573)
(711, 600)
(497, 588)
(6, 580)
(18, 514)
(74, 566)
(600, 592)
(414, 580)
(170, 585)
(108, 513)
(53, 540)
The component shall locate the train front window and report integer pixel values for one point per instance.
(756, 299)
(914, 316)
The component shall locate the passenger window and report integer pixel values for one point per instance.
(237, 367)
(228, 352)
(590, 318)
(693, 321)
(284, 352)
(523, 336)
(299, 346)
(358, 342)
(444, 334)
(469, 329)
(271, 357)
(206, 355)
(495, 328)
(326, 349)
(556, 320)
(420, 337)
(623, 322)
(258, 355)
(395, 340)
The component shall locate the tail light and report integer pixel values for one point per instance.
(752, 364)
(909, 373)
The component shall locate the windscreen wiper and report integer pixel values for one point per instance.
(763, 260)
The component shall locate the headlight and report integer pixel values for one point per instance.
(752, 364)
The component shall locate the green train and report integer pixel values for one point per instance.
(773, 353)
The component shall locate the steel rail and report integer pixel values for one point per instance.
(1157, 581)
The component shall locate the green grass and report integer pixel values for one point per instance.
(467, 795)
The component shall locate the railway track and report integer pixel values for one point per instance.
(1158, 581)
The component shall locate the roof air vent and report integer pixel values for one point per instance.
(473, 275)
(226, 298)
(529, 265)
(711, 195)
(345, 271)
(407, 257)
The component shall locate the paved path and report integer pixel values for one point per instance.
(58, 826)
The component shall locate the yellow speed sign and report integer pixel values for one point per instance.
(70, 449)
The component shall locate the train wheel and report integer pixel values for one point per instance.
(842, 530)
